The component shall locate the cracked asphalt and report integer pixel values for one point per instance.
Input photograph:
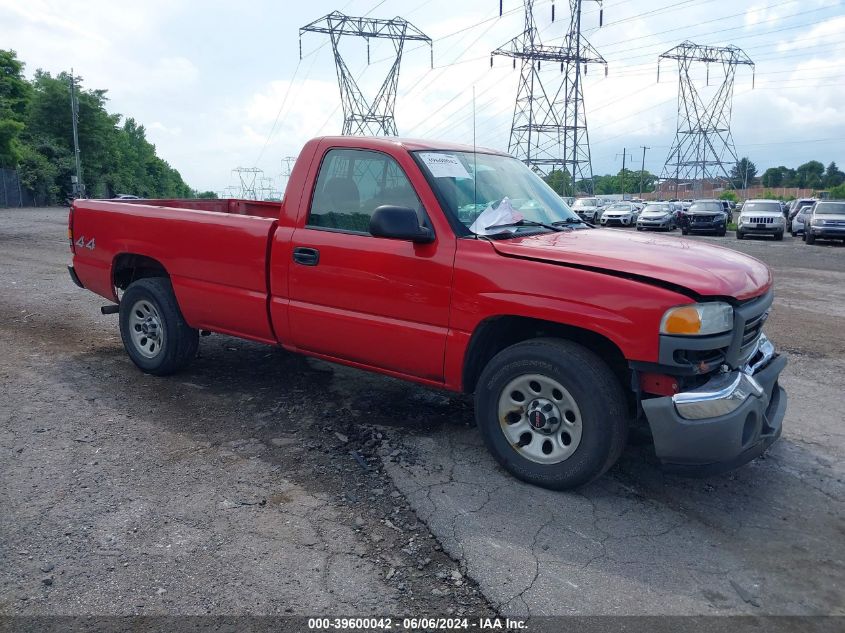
(261, 482)
(768, 538)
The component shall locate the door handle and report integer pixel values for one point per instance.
(306, 256)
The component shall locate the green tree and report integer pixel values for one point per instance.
(14, 96)
(729, 195)
(558, 179)
(773, 177)
(36, 136)
(838, 192)
(205, 194)
(833, 176)
(810, 175)
(743, 172)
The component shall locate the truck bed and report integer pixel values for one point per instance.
(255, 208)
(215, 253)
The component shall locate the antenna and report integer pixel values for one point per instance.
(474, 156)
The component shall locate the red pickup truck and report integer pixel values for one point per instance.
(459, 269)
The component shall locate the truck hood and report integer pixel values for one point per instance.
(702, 269)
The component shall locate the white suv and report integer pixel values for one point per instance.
(761, 217)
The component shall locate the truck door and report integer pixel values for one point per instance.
(373, 301)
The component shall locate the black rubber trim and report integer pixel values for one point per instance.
(717, 468)
(74, 277)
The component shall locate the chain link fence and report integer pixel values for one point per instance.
(12, 194)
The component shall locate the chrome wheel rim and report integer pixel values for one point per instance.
(145, 329)
(540, 419)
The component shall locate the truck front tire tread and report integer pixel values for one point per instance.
(596, 390)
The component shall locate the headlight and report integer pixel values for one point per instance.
(817, 222)
(698, 319)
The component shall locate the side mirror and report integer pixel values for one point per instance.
(400, 223)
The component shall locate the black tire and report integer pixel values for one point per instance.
(722, 233)
(779, 236)
(639, 228)
(178, 343)
(592, 386)
(809, 238)
(684, 232)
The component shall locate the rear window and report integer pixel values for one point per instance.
(832, 208)
(769, 207)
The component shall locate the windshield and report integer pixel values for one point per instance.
(501, 188)
(657, 208)
(620, 207)
(830, 208)
(707, 207)
(768, 207)
(585, 202)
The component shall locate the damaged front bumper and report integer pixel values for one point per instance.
(726, 422)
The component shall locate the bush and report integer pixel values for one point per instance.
(729, 195)
(838, 192)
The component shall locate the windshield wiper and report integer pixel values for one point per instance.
(571, 221)
(509, 225)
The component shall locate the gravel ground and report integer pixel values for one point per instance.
(265, 483)
(246, 484)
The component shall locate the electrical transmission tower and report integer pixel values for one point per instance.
(703, 149)
(359, 115)
(549, 129)
(248, 177)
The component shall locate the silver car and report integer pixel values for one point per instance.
(827, 221)
(588, 209)
(657, 215)
(761, 217)
(620, 214)
(796, 225)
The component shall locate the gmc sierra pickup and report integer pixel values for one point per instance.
(459, 269)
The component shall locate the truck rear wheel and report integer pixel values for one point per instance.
(551, 412)
(153, 330)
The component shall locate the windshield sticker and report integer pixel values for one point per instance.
(444, 165)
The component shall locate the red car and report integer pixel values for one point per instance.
(463, 271)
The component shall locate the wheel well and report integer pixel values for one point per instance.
(129, 267)
(497, 333)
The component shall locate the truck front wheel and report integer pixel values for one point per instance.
(153, 330)
(551, 412)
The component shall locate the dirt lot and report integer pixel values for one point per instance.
(261, 482)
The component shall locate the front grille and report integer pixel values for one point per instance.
(760, 220)
(751, 333)
(701, 219)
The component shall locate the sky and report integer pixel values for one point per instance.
(220, 85)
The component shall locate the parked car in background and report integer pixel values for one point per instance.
(620, 214)
(796, 225)
(827, 221)
(657, 215)
(126, 196)
(795, 206)
(761, 217)
(588, 209)
(705, 216)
